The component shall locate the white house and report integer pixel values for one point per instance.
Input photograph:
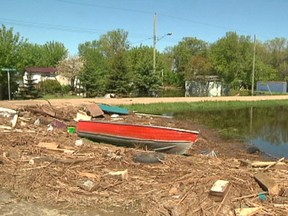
(44, 73)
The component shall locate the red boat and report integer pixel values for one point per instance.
(156, 138)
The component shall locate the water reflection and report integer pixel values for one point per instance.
(264, 127)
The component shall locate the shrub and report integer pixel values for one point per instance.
(50, 87)
(65, 89)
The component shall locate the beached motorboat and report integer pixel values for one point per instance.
(156, 138)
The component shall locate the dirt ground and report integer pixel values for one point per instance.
(77, 173)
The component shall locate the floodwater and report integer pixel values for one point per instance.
(265, 127)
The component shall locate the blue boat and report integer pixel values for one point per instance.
(113, 109)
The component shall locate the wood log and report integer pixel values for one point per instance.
(247, 211)
(267, 183)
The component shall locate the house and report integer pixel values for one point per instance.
(39, 74)
(202, 86)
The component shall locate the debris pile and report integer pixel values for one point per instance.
(43, 160)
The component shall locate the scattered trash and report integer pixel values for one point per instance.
(6, 112)
(262, 196)
(212, 154)
(87, 185)
(109, 95)
(94, 110)
(31, 162)
(37, 122)
(58, 124)
(82, 116)
(50, 128)
(149, 157)
(14, 120)
(79, 142)
(71, 130)
(121, 175)
(114, 115)
(219, 189)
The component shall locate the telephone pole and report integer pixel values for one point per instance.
(154, 43)
(253, 67)
(155, 40)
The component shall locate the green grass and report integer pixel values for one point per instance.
(160, 108)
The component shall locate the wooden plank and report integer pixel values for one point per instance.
(89, 175)
(247, 211)
(94, 110)
(48, 110)
(51, 145)
(265, 164)
(267, 183)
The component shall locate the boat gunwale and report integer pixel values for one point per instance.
(137, 139)
(140, 125)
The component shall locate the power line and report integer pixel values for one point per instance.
(106, 7)
(50, 26)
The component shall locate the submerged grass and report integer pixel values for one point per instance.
(162, 108)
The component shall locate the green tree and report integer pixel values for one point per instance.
(52, 53)
(145, 81)
(264, 70)
(278, 50)
(232, 58)
(10, 45)
(114, 47)
(31, 55)
(93, 76)
(189, 51)
(119, 78)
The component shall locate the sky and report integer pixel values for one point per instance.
(73, 22)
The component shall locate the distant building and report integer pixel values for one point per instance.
(272, 86)
(203, 86)
(39, 74)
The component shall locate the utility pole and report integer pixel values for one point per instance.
(253, 67)
(154, 44)
(155, 40)
(8, 77)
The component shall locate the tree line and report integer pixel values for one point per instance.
(111, 64)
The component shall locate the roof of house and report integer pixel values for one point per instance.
(41, 70)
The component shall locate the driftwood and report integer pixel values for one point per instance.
(247, 211)
(46, 113)
(248, 196)
(281, 159)
(223, 201)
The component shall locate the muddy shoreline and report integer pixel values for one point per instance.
(179, 184)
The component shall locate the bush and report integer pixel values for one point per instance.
(65, 89)
(50, 87)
